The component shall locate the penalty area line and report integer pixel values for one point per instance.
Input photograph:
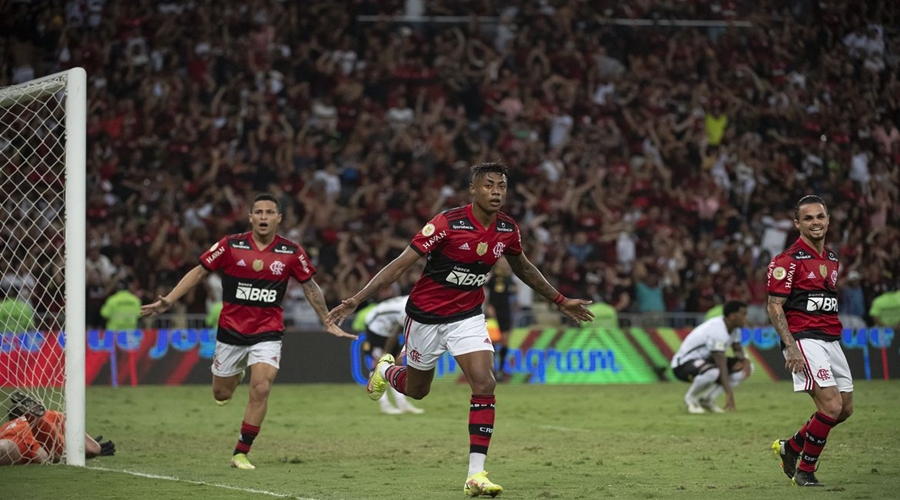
(200, 483)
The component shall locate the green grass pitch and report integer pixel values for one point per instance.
(328, 442)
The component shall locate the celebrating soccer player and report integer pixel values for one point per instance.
(256, 268)
(803, 308)
(445, 307)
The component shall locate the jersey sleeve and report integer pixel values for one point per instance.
(213, 259)
(780, 276)
(303, 270)
(719, 341)
(431, 236)
(514, 244)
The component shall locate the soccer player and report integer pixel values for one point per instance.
(461, 246)
(256, 268)
(384, 322)
(35, 435)
(501, 293)
(701, 360)
(802, 285)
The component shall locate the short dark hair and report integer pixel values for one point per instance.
(489, 167)
(732, 306)
(808, 200)
(267, 197)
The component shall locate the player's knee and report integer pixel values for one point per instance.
(222, 393)
(485, 385)
(417, 392)
(260, 389)
(846, 411)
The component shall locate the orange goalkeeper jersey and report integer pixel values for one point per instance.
(48, 433)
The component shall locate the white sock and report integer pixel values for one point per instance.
(399, 398)
(702, 383)
(382, 369)
(476, 462)
(716, 390)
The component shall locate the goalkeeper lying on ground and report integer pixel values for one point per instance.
(35, 435)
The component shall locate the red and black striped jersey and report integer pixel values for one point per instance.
(460, 255)
(254, 281)
(809, 282)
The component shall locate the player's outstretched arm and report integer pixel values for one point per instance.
(389, 274)
(193, 278)
(531, 276)
(97, 447)
(317, 301)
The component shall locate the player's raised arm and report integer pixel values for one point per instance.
(388, 274)
(531, 276)
(193, 277)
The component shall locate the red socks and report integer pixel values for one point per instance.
(248, 434)
(481, 423)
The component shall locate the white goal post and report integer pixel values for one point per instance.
(43, 229)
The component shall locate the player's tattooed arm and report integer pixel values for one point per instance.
(793, 358)
(775, 308)
(315, 298)
(531, 276)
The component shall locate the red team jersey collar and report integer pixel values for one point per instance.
(476, 221)
(812, 250)
(265, 248)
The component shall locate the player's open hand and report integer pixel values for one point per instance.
(160, 306)
(338, 332)
(575, 309)
(339, 314)
(793, 359)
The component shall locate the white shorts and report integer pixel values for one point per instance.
(233, 359)
(425, 343)
(826, 366)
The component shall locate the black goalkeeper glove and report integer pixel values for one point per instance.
(107, 449)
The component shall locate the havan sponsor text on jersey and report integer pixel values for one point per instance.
(460, 255)
(254, 282)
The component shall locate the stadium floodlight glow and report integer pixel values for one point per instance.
(43, 126)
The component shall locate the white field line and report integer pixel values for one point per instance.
(202, 483)
(561, 429)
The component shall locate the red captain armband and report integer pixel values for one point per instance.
(559, 299)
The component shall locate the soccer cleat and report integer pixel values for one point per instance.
(478, 484)
(803, 478)
(390, 410)
(240, 461)
(408, 408)
(240, 379)
(710, 406)
(693, 406)
(788, 456)
(377, 384)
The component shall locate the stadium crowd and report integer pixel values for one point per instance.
(654, 167)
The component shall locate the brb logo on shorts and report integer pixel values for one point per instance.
(824, 304)
(823, 374)
(253, 294)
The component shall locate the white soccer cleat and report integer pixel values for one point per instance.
(693, 406)
(710, 406)
(408, 408)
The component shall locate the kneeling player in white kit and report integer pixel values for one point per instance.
(701, 360)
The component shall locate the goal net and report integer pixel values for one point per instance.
(42, 259)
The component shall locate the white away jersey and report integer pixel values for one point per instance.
(387, 317)
(710, 336)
